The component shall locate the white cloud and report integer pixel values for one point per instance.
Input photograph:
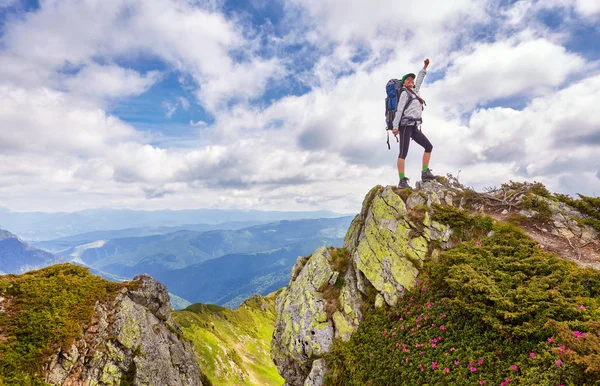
(192, 40)
(110, 81)
(553, 139)
(505, 69)
(47, 121)
(325, 148)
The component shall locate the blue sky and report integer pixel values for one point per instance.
(277, 104)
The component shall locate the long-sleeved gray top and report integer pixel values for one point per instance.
(414, 110)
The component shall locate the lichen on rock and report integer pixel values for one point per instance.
(387, 248)
(131, 340)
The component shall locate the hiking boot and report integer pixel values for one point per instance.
(404, 183)
(427, 175)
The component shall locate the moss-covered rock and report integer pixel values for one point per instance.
(63, 326)
(387, 245)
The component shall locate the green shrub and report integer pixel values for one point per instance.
(538, 204)
(588, 206)
(488, 304)
(528, 187)
(464, 225)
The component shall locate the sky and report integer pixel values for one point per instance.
(279, 105)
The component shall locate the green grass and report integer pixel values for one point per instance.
(233, 342)
(48, 309)
(491, 303)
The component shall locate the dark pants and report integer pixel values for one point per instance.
(405, 133)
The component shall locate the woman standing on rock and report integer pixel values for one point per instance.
(408, 125)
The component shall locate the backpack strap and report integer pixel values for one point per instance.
(410, 99)
(421, 100)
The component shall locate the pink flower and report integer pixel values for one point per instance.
(371, 355)
(397, 344)
(402, 327)
(582, 307)
(561, 348)
(406, 359)
(505, 382)
(480, 362)
(433, 365)
(478, 243)
(473, 369)
(442, 327)
(559, 363)
(452, 349)
(550, 340)
(532, 355)
(433, 345)
(456, 363)
(447, 370)
(514, 367)
(404, 349)
(482, 382)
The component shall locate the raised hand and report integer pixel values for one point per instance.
(426, 63)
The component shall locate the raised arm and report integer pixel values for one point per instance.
(421, 75)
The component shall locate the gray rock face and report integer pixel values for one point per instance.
(385, 251)
(132, 340)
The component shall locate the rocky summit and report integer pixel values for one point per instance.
(67, 327)
(386, 248)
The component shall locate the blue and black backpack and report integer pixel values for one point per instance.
(393, 89)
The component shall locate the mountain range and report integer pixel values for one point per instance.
(36, 226)
(223, 266)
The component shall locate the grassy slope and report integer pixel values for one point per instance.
(495, 311)
(233, 346)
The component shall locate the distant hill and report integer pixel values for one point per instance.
(36, 226)
(230, 279)
(155, 254)
(16, 256)
(62, 244)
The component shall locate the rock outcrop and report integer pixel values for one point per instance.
(384, 251)
(132, 340)
(386, 244)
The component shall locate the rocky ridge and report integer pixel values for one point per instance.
(384, 251)
(132, 340)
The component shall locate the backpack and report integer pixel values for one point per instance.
(393, 89)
